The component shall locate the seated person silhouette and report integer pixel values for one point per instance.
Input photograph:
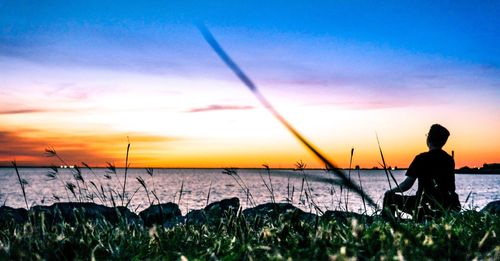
(435, 171)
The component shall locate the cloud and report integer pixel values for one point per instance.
(27, 147)
(371, 104)
(26, 150)
(21, 111)
(218, 107)
(31, 110)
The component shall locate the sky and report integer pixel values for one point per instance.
(86, 77)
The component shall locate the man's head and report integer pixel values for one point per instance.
(437, 136)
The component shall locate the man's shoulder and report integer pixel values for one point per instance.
(423, 155)
(434, 153)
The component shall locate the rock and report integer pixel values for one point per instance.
(492, 207)
(217, 209)
(196, 216)
(214, 212)
(270, 210)
(10, 215)
(173, 222)
(73, 212)
(115, 215)
(344, 217)
(159, 214)
(275, 210)
(48, 214)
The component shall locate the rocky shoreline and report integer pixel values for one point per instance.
(169, 214)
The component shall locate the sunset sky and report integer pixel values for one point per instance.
(83, 76)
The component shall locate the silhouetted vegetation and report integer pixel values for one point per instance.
(465, 236)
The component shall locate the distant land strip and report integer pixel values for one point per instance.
(491, 168)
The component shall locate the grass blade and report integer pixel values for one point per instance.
(126, 171)
(143, 184)
(361, 186)
(387, 171)
(22, 183)
(242, 76)
(208, 194)
(349, 175)
(383, 162)
(180, 193)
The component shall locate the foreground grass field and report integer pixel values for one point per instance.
(464, 236)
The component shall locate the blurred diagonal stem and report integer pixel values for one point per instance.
(244, 78)
(330, 166)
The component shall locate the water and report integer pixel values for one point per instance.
(197, 183)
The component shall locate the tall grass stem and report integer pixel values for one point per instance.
(22, 183)
(349, 173)
(126, 171)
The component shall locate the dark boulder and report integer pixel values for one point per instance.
(9, 216)
(492, 207)
(159, 214)
(214, 212)
(218, 208)
(196, 216)
(344, 217)
(173, 222)
(273, 211)
(73, 212)
(118, 214)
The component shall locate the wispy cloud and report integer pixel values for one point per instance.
(27, 147)
(372, 104)
(21, 111)
(218, 107)
(32, 110)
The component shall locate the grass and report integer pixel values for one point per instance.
(464, 236)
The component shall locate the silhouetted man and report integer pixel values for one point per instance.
(435, 171)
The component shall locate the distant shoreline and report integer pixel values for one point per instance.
(479, 172)
(466, 171)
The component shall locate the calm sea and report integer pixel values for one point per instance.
(475, 191)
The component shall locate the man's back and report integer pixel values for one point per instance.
(435, 172)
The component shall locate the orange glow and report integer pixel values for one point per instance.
(198, 122)
(253, 138)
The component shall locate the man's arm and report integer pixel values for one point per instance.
(403, 186)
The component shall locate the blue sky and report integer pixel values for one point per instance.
(463, 30)
(295, 41)
(322, 43)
